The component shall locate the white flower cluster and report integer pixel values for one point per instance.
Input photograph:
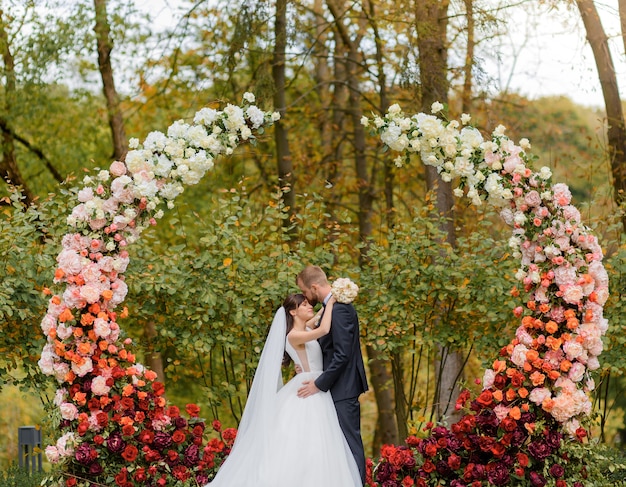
(344, 290)
(457, 151)
(127, 198)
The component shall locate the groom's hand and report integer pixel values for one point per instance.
(308, 389)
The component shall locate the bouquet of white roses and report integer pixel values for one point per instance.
(344, 290)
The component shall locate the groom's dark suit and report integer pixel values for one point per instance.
(344, 375)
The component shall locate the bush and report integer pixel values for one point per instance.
(20, 477)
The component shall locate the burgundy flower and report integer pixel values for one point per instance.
(95, 469)
(192, 455)
(180, 422)
(537, 480)
(83, 454)
(539, 450)
(162, 440)
(115, 443)
(557, 471)
(498, 474)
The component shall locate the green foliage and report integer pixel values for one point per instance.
(19, 477)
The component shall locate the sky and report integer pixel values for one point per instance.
(545, 53)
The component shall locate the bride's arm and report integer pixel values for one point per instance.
(299, 337)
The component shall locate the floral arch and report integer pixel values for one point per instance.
(535, 397)
(112, 412)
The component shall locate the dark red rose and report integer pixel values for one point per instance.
(93, 404)
(560, 483)
(95, 469)
(173, 412)
(508, 424)
(217, 426)
(128, 430)
(128, 403)
(180, 422)
(499, 381)
(428, 467)
(198, 430)
(121, 478)
(102, 419)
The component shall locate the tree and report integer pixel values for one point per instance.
(616, 127)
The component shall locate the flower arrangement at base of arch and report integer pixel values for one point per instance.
(535, 397)
(115, 426)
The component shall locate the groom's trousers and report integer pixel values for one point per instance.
(349, 414)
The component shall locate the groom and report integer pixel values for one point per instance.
(344, 372)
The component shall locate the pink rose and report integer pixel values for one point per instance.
(68, 411)
(561, 194)
(99, 386)
(117, 168)
(532, 198)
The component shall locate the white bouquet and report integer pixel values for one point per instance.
(344, 290)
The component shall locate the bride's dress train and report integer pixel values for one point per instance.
(301, 444)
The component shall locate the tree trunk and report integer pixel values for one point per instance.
(622, 20)
(431, 23)
(379, 375)
(153, 359)
(8, 166)
(616, 133)
(285, 165)
(466, 97)
(105, 46)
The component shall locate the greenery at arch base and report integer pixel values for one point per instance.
(527, 427)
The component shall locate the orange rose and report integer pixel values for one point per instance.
(551, 327)
(537, 378)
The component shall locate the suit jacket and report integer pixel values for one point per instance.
(344, 372)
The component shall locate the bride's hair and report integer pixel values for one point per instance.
(290, 303)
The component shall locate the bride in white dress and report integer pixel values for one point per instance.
(284, 440)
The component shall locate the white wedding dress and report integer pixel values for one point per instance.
(300, 443)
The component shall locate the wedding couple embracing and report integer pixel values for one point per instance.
(307, 432)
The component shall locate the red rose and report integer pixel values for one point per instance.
(485, 398)
(413, 441)
(198, 430)
(181, 472)
(229, 434)
(70, 482)
(130, 453)
(428, 466)
(431, 449)
(158, 388)
(102, 419)
(172, 455)
(120, 478)
(140, 475)
(192, 410)
(407, 482)
(508, 424)
(128, 430)
(217, 426)
(523, 459)
(146, 436)
(498, 450)
(128, 403)
(173, 412)
(178, 436)
(454, 461)
(98, 439)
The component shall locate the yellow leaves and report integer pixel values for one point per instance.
(227, 262)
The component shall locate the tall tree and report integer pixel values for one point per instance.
(114, 112)
(431, 20)
(9, 169)
(616, 128)
(286, 177)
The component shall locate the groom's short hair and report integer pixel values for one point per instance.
(312, 274)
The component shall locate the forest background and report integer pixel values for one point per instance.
(80, 78)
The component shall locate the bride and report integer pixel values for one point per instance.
(284, 440)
